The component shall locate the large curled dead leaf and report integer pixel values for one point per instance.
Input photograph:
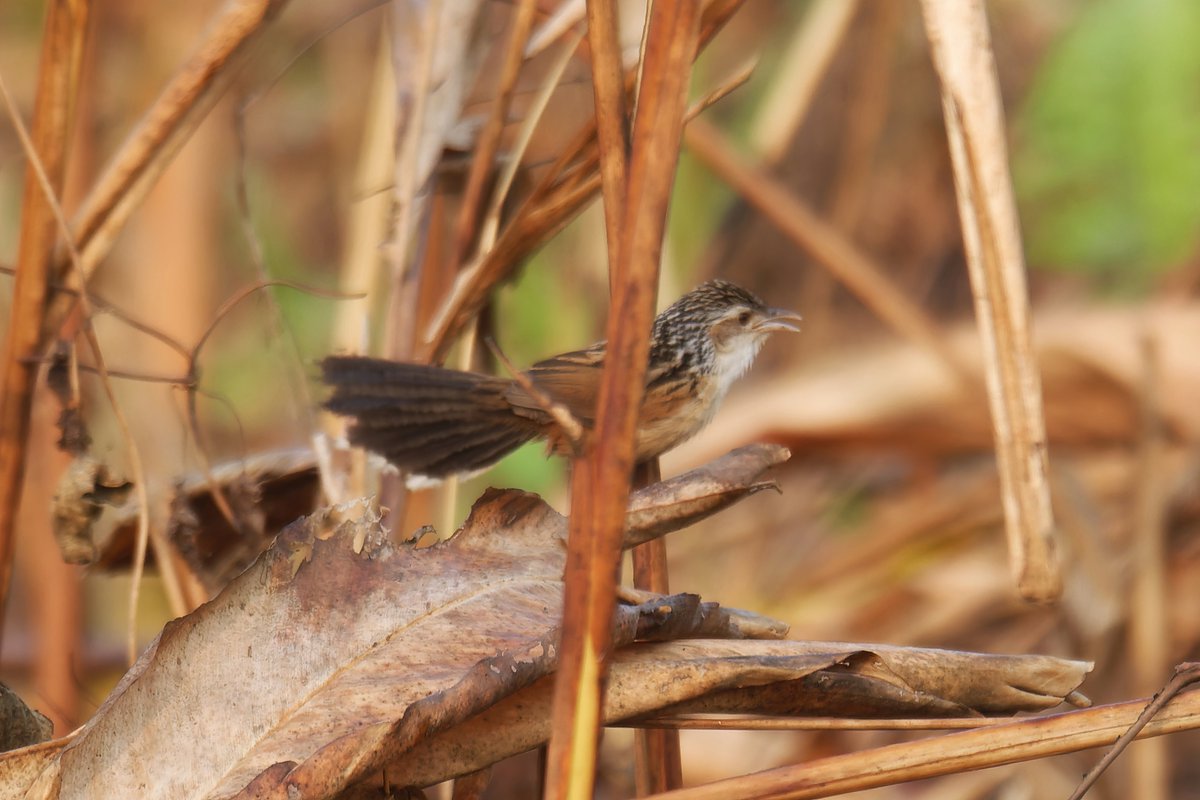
(758, 677)
(337, 651)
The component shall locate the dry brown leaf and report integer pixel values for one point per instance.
(885, 680)
(335, 662)
(20, 725)
(642, 679)
(20, 769)
(745, 677)
(83, 491)
(667, 505)
(266, 491)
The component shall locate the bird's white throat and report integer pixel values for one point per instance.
(733, 360)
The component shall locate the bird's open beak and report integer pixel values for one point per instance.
(779, 319)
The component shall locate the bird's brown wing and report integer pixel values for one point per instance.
(571, 379)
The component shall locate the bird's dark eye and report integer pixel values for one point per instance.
(744, 318)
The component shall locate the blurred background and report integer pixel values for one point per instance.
(889, 527)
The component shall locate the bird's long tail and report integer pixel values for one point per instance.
(428, 421)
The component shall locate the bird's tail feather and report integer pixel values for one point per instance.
(428, 421)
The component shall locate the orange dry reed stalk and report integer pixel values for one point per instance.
(601, 480)
(58, 80)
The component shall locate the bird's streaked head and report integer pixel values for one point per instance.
(722, 326)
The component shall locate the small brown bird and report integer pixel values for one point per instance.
(433, 422)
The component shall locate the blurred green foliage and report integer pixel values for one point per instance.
(247, 362)
(1107, 154)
